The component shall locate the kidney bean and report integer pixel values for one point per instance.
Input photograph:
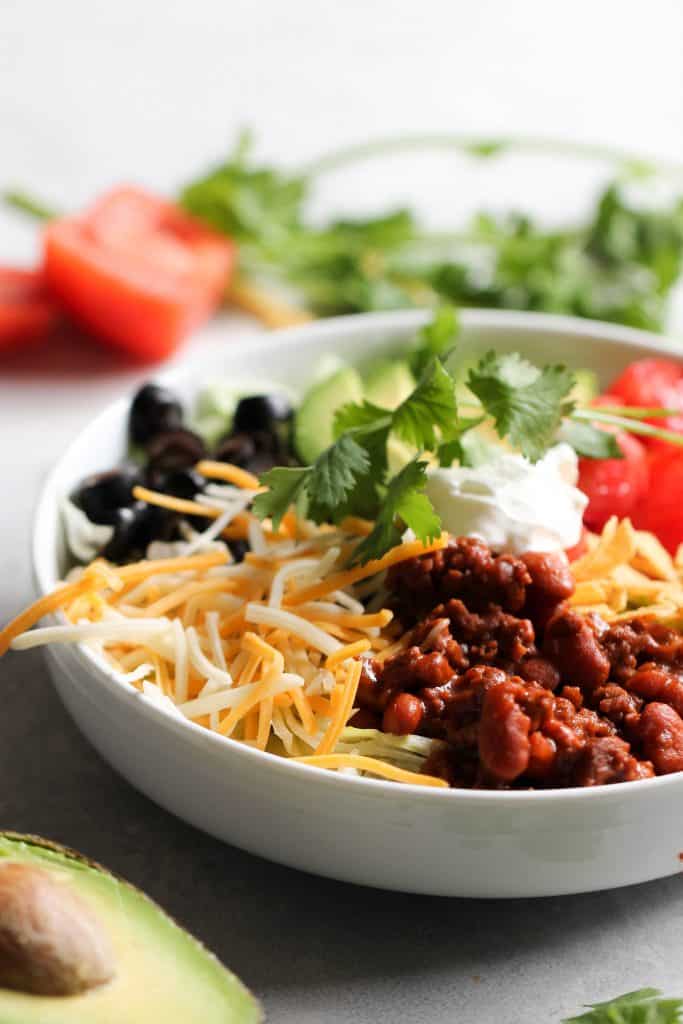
(403, 715)
(573, 647)
(661, 734)
(551, 584)
(654, 683)
(542, 752)
(540, 670)
(504, 747)
(363, 718)
(551, 575)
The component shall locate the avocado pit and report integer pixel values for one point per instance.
(51, 944)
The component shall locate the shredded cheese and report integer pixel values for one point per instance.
(341, 580)
(277, 617)
(342, 711)
(231, 474)
(97, 573)
(373, 766)
(209, 641)
(351, 650)
(103, 630)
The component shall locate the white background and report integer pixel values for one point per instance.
(95, 91)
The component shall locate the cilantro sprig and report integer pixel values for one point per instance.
(528, 406)
(619, 264)
(645, 1006)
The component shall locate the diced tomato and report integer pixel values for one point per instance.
(661, 509)
(645, 380)
(27, 313)
(614, 486)
(653, 382)
(137, 271)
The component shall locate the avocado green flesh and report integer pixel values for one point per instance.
(314, 424)
(388, 382)
(162, 973)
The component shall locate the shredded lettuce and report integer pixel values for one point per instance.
(409, 752)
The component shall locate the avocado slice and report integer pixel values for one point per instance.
(314, 422)
(388, 382)
(79, 945)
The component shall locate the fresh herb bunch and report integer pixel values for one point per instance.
(646, 1006)
(619, 266)
(528, 406)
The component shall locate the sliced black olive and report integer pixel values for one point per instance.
(257, 451)
(262, 412)
(136, 527)
(181, 483)
(101, 495)
(154, 410)
(175, 450)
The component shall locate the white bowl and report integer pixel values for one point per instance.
(443, 842)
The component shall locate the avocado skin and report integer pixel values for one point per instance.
(240, 1005)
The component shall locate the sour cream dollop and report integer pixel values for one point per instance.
(512, 504)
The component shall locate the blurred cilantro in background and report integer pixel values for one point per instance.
(619, 266)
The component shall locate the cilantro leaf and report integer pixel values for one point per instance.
(286, 486)
(245, 201)
(432, 404)
(333, 477)
(642, 1007)
(434, 339)
(403, 505)
(454, 448)
(370, 426)
(359, 416)
(526, 404)
(321, 490)
(590, 441)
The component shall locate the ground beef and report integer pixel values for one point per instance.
(524, 691)
(465, 569)
(629, 645)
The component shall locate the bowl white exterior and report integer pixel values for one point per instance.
(454, 843)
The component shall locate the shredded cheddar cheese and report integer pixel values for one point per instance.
(266, 652)
(351, 650)
(374, 767)
(341, 580)
(231, 474)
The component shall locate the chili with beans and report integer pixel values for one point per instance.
(524, 691)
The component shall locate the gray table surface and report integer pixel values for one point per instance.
(314, 951)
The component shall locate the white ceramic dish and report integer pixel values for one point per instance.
(443, 842)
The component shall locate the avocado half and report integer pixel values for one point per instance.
(79, 946)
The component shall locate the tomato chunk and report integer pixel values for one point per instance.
(653, 382)
(614, 486)
(136, 271)
(27, 313)
(661, 509)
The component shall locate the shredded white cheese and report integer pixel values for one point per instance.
(279, 618)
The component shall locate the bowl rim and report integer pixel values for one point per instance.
(335, 327)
